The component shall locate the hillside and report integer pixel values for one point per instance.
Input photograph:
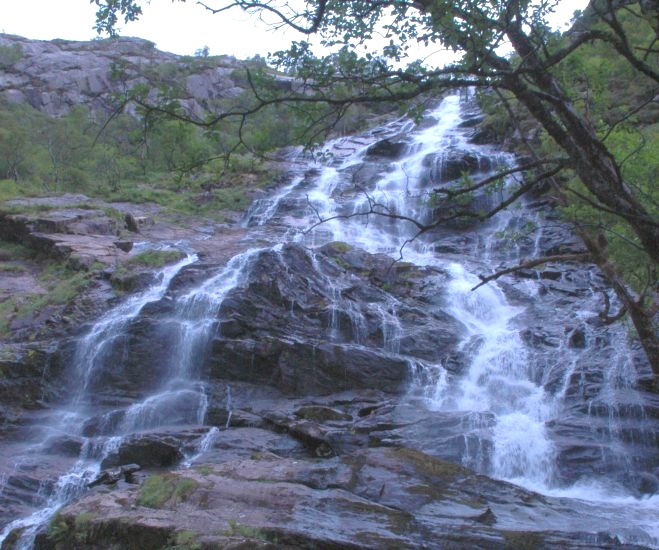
(56, 76)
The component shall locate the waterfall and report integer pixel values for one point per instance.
(518, 411)
(180, 398)
(512, 405)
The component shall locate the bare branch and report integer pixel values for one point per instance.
(284, 19)
(579, 256)
(452, 192)
(604, 315)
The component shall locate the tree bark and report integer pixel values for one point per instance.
(593, 163)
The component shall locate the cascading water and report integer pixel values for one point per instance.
(180, 398)
(514, 404)
(513, 408)
(90, 355)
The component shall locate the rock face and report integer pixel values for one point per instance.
(63, 228)
(55, 76)
(28, 379)
(377, 498)
(314, 323)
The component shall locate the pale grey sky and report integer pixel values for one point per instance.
(176, 27)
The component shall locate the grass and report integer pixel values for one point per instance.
(238, 529)
(58, 528)
(13, 251)
(340, 246)
(62, 285)
(184, 540)
(9, 267)
(182, 199)
(155, 492)
(522, 540)
(158, 490)
(155, 258)
(82, 524)
(10, 189)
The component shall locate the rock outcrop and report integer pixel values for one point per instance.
(54, 76)
(371, 499)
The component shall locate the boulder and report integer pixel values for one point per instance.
(110, 477)
(328, 323)
(387, 148)
(147, 450)
(451, 165)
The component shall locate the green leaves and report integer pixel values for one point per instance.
(109, 11)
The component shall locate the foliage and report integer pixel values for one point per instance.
(58, 528)
(609, 95)
(184, 540)
(82, 523)
(247, 531)
(157, 490)
(10, 55)
(155, 258)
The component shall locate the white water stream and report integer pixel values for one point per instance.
(504, 379)
(181, 398)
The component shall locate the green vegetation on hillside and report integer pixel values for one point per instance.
(171, 163)
(619, 103)
(137, 151)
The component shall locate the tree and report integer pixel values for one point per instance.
(14, 147)
(531, 75)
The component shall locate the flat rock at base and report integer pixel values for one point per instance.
(371, 499)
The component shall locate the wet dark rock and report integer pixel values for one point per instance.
(132, 281)
(470, 122)
(484, 136)
(577, 338)
(322, 414)
(387, 148)
(283, 327)
(28, 375)
(126, 246)
(251, 442)
(451, 165)
(65, 445)
(149, 450)
(299, 368)
(110, 477)
(648, 484)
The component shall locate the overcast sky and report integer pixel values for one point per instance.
(176, 27)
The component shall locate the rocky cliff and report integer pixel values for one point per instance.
(54, 76)
(282, 387)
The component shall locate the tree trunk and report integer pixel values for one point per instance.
(593, 163)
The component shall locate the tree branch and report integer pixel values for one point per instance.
(580, 256)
